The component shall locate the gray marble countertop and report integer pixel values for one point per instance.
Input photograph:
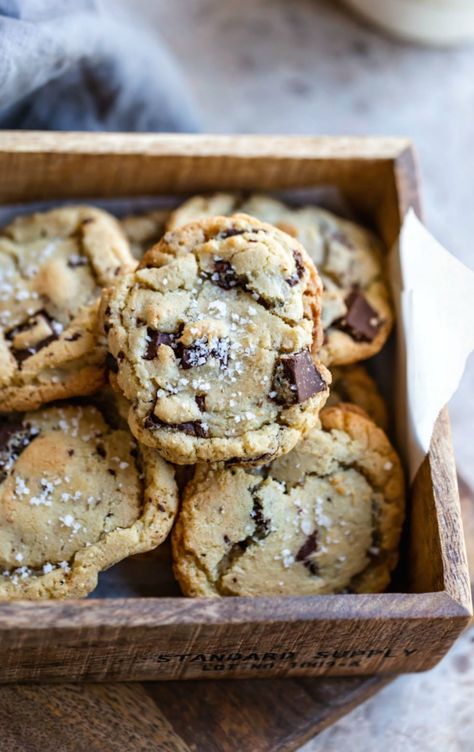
(308, 67)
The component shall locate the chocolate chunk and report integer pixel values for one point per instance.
(26, 352)
(309, 547)
(196, 354)
(111, 363)
(230, 233)
(151, 421)
(361, 321)
(8, 430)
(100, 449)
(299, 263)
(220, 350)
(311, 566)
(224, 274)
(107, 324)
(201, 401)
(155, 340)
(23, 327)
(296, 378)
(295, 278)
(199, 353)
(15, 436)
(262, 530)
(192, 428)
(260, 459)
(262, 524)
(21, 354)
(30, 321)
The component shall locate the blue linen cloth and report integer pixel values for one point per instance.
(65, 65)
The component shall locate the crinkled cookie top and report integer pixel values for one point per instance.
(52, 268)
(324, 518)
(211, 338)
(76, 495)
(356, 312)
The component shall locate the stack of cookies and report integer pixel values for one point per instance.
(231, 347)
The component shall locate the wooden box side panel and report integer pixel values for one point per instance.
(439, 485)
(173, 639)
(61, 165)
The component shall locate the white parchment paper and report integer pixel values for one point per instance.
(434, 299)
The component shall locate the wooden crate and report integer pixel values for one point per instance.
(177, 638)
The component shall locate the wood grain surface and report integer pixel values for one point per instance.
(276, 715)
(202, 716)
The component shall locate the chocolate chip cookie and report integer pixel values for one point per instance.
(211, 340)
(354, 384)
(52, 268)
(356, 312)
(325, 518)
(76, 496)
(144, 230)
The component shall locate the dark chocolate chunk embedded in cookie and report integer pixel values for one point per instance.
(15, 435)
(196, 354)
(308, 547)
(154, 340)
(111, 363)
(361, 320)
(201, 401)
(191, 428)
(235, 381)
(296, 378)
(293, 280)
(30, 336)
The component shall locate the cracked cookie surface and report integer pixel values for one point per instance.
(356, 311)
(76, 496)
(354, 384)
(211, 338)
(52, 268)
(325, 518)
